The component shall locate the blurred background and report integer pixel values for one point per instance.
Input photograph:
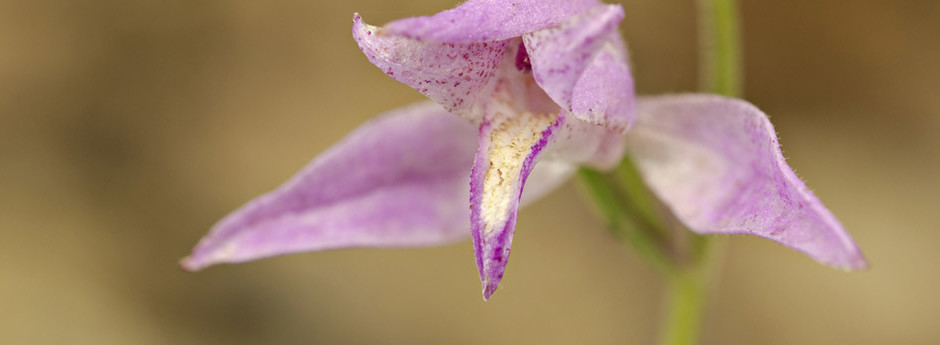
(128, 127)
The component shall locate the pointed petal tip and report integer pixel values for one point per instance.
(689, 139)
(190, 265)
(848, 259)
(862, 266)
(497, 179)
(858, 263)
(489, 288)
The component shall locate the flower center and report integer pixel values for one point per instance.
(518, 120)
(522, 59)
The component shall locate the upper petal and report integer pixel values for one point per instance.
(717, 163)
(455, 75)
(604, 95)
(582, 65)
(398, 180)
(489, 20)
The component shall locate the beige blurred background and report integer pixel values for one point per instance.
(128, 127)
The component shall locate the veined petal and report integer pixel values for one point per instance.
(572, 144)
(604, 95)
(509, 148)
(582, 65)
(717, 163)
(455, 75)
(398, 180)
(489, 20)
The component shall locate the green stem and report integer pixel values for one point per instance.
(630, 210)
(686, 296)
(719, 47)
(623, 221)
(720, 73)
(634, 189)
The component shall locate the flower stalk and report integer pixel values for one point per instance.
(719, 73)
(686, 260)
(719, 47)
(626, 221)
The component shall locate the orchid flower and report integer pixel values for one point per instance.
(523, 92)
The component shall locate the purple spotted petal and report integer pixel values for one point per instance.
(582, 66)
(455, 75)
(398, 180)
(717, 163)
(573, 145)
(507, 153)
(489, 20)
(505, 170)
(604, 95)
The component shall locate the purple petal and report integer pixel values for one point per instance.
(582, 66)
(455, 75)
(507, 153)
(489, 20)
(717, 163)
(398, 180)
(572, 144)
(604, 95)
(505, 164)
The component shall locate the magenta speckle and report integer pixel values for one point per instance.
(522, 59)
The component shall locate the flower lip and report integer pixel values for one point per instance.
(508, 152)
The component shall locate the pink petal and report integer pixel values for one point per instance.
(529, 152)
(717, 163)
(398, 180)
(507, 153)
(571, 145)
(604, 94)
(582, 66)
(489, 20)
(455, 75)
